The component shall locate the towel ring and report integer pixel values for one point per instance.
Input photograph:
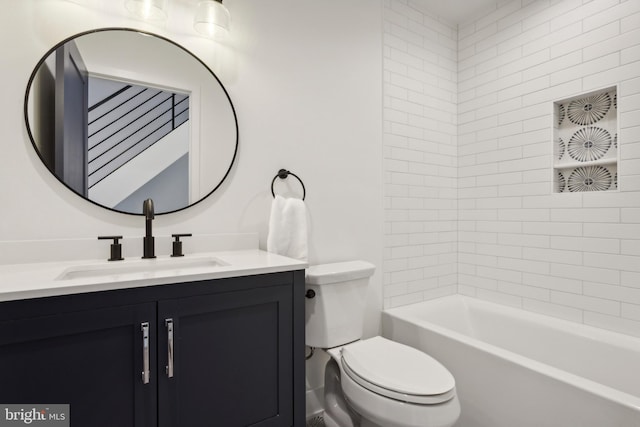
(283, 174)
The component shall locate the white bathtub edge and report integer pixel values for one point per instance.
(595, 388)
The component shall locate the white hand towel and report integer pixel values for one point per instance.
(288, 228)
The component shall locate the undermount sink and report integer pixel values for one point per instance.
(151, 266)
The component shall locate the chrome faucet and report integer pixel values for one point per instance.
(148, 241)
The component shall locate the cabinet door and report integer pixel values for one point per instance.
(91, 360)
(232, 359)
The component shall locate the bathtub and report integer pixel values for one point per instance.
(514, 368)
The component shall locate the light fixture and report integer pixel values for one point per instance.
(148, 9)
(211, 19)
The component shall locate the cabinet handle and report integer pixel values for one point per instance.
(169, 324)
(145, 353)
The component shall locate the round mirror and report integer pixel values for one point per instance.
(120, 116)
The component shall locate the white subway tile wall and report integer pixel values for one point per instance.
(565, 257)
(498, 231)
(420, 154)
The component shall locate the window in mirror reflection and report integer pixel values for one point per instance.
(120, 141)
(137, 131)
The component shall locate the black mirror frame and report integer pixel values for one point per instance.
(146, 33)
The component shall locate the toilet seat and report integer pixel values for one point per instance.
(397, 371)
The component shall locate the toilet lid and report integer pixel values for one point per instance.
(397, 371)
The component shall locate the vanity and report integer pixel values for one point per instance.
(210, 340)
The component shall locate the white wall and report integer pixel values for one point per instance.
(305, 78)
(570, 255)
(301, 81)
(420, 154)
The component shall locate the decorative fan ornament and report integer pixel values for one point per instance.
(587, 111)
(589, 178)
(562, 182)
(561, 148)
(561, 114)
(588, 144)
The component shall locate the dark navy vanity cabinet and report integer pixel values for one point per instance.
(226, 352)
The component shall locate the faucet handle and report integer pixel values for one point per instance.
(177, 244)
(116, 247)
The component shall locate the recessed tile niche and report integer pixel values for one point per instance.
(585, 142)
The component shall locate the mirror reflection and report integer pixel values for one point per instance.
(120, 116)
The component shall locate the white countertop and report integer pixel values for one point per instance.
(24, 281)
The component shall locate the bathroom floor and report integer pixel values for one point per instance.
(316, 421)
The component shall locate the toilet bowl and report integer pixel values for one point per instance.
(373, 382)
(391, 384)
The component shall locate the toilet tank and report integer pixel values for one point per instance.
(334, 316)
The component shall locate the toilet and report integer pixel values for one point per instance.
(373, 382)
